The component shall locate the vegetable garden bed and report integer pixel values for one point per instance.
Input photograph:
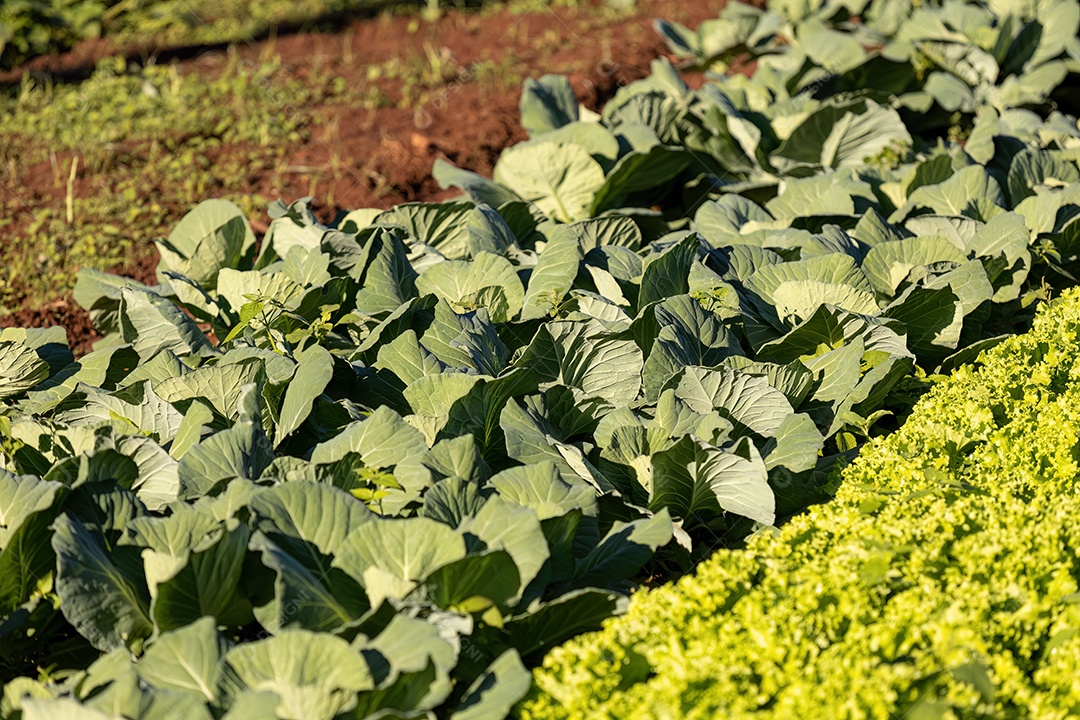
(941, 581)
(379, 467)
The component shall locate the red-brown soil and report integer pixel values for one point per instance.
(363, 158)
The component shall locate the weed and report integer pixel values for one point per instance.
(128, 131)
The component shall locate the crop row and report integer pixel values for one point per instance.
(941, 581)
(29, 28)
(381, 465)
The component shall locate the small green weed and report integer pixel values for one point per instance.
(132, 129)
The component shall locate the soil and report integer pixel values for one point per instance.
(379, 158)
